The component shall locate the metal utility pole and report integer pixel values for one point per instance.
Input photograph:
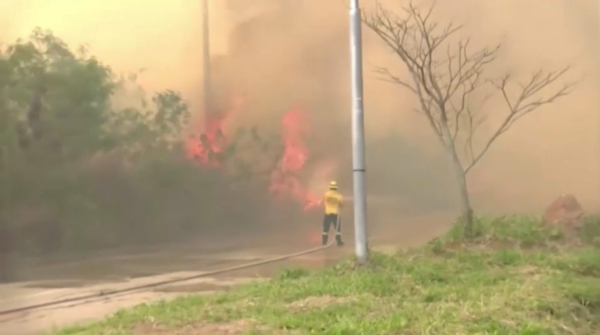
(206, 58)
(597, 43)
(358, 135)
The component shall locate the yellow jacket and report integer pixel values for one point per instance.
(333, 201)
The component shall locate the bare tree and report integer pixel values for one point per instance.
(447, 76)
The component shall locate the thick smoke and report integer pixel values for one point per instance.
(281, 54)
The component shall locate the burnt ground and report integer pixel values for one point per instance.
(44, 280)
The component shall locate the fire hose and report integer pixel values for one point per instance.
(129, 290)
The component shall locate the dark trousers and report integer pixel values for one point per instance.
(330, 220)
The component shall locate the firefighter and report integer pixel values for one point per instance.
(333, 202)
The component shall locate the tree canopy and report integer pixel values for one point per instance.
(76, 159)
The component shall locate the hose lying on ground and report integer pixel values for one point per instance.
(137, 288)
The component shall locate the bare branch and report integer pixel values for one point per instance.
(527, 101)
(446, 73)
(390, 77)
(417, 41)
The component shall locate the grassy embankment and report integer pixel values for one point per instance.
(512, 278)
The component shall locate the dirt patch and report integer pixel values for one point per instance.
(212, 285)
(319, 302)
(564, 212)
(75, 283)
(200, 287)
(533, 272)
(240, 327)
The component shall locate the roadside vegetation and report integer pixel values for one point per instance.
(89, 158)
(511, 276)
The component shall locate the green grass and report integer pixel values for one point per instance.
(510, 277)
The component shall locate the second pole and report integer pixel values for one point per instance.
(206, 58)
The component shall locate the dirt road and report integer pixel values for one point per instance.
(48, 280)
(63, 280)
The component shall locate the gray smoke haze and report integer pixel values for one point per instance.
(281, 54)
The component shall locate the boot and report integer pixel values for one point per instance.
(324, 239)
(338, 239)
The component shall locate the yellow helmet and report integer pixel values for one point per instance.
(333, 185)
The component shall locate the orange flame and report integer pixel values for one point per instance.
(285, 179)
(206, 147)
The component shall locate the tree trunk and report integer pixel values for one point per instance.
(466, 216)
(465, 201)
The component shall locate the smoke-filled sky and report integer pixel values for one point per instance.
(299, 54)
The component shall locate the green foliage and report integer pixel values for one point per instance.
(521, 231)
(73, 91)
(590, 231)
(102, 169)
(293, 273)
